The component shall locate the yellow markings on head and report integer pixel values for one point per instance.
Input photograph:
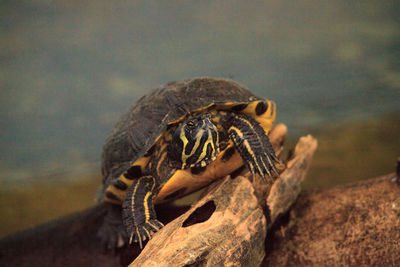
(194, 149)
(185, 142)
(196, 145)
(183, 137)
(214, 147)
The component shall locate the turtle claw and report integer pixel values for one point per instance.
(138, 214)
(253, 145)
(266, 167)
(144, 231)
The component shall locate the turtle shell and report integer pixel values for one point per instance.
(139, 127)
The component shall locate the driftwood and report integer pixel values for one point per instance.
(230, 223)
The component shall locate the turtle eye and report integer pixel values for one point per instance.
(191, 124)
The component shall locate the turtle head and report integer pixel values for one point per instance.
(195, 142)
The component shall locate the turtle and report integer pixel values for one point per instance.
(175, 140)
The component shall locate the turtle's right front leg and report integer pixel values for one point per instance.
(138, 212)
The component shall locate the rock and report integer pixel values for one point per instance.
(349, 225)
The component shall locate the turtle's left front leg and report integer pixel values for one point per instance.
(252, 143)
(138, 212)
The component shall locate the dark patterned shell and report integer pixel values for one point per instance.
(139, 127)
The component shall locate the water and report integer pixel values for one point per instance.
(69, 69)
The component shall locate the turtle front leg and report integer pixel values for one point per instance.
(253, 144)
(138, 214)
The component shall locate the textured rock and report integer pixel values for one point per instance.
(349, 225)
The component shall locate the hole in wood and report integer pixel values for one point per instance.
(201, 214)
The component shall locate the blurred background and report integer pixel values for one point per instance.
(68, 69)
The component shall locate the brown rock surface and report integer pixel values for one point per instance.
(350, 225)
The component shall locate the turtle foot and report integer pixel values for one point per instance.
(112, 232)
(144, 231)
